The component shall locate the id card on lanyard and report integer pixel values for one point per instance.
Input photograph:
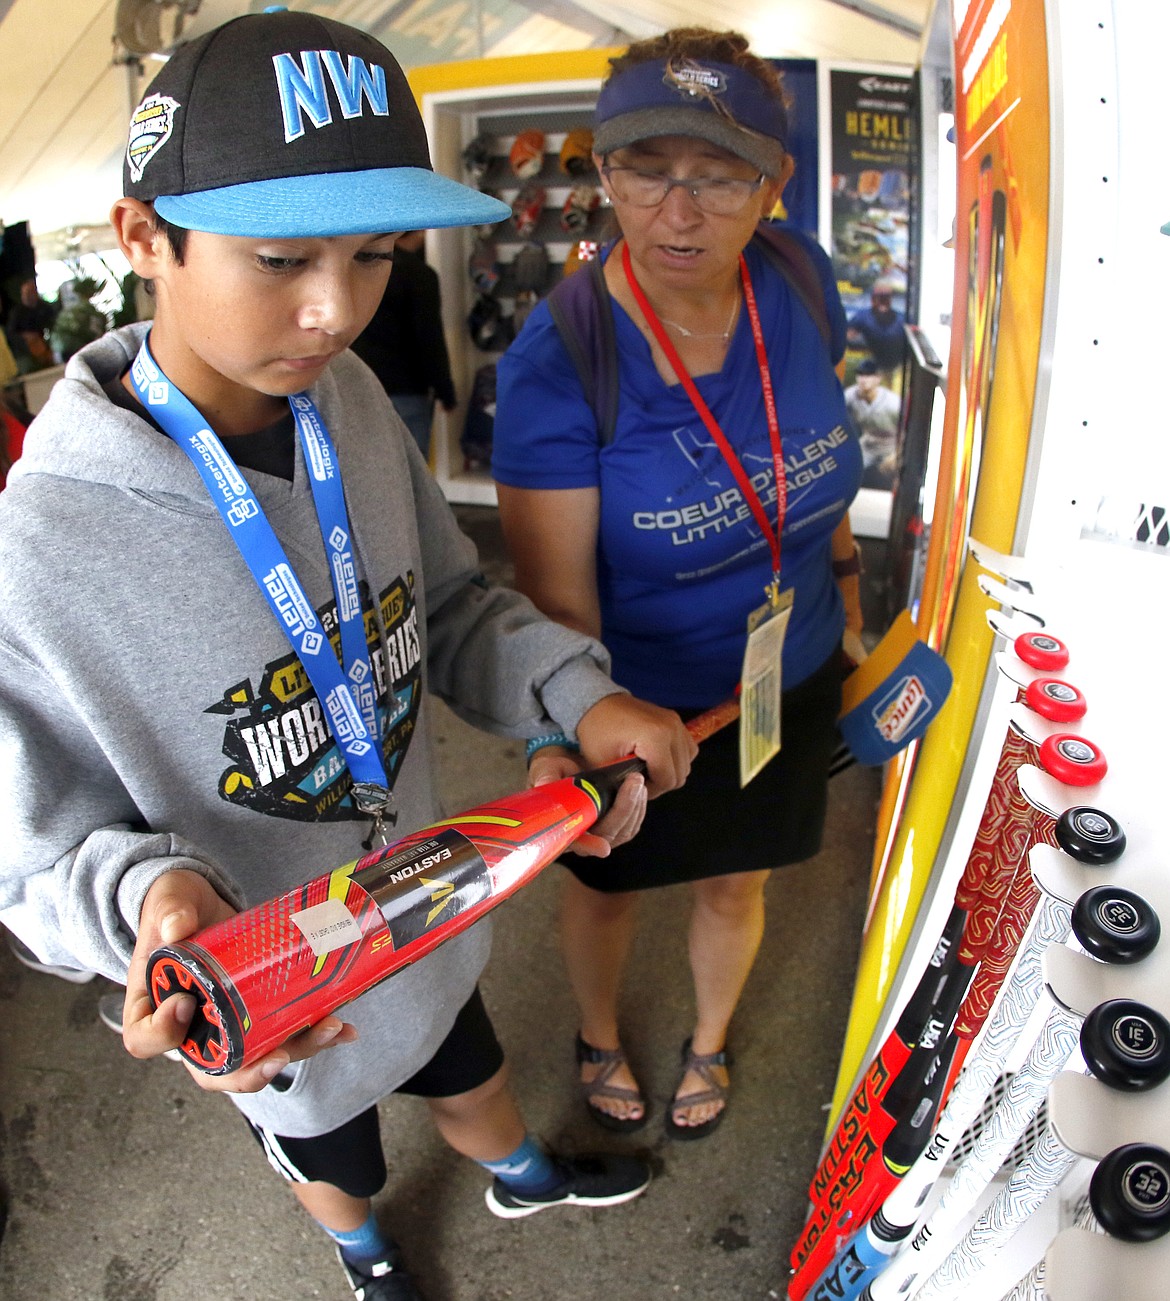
(346, 689)
(760, 677)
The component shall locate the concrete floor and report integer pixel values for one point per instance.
(125, 1183)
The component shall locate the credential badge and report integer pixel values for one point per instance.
(150, 129)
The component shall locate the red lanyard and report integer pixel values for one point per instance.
(745, 484)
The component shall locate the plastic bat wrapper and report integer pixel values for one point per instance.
(275, 969)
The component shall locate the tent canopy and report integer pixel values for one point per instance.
(69, 83)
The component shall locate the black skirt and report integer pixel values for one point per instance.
(711, 827)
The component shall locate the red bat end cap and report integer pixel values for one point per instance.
(1056, 700)
(1072, 760)
(1040, 650)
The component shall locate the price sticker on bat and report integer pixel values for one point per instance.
(760, 685)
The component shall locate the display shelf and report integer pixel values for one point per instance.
(497, 99)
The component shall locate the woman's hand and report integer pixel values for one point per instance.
(621, 724)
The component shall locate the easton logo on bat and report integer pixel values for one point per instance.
(847, 1179)
(898, 708)
(430, 881)
(867, 1098)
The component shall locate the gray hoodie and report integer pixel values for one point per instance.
(153, 715)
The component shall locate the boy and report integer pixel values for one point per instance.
(181, 574)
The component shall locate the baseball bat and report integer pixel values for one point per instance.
(1091, 837)
(1124, 1057)
(898, 1130)
(978, 903)
(1129, 1197)
(1124, 1044)
(275, 969)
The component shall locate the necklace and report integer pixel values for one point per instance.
(691, 334)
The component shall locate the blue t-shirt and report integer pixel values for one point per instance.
(681, 561)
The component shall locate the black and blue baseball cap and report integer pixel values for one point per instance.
(721, 103)
(283, 124)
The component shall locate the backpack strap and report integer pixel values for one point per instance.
(581, 311)
(794, 262)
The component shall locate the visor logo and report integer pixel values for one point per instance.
(899, 708)
(150, 129)
(691, 78)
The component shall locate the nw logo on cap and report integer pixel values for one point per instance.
(303, 90)
(150, 129)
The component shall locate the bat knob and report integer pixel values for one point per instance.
(1041, 651)
(1130, 1192)
(1072, 760)
(1056, 700)
(215, 1036)
(1126, 1045)
(1090, 835)
(1115, 925)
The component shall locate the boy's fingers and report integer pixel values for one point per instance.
(177, 905)
(327, 1033)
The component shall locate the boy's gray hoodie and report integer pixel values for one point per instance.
(154, 717)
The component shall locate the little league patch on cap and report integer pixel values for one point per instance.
(892, 698)
(287, 124)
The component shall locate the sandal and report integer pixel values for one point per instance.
(609, 1059)
(701, 1064)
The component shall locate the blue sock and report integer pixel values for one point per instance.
(362, 1245)
(527, 1171)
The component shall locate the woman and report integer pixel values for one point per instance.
(655, 541)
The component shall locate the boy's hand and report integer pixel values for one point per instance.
(621, 724)
(176, 906)
(622, 821)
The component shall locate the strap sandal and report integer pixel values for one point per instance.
(609, 1059)
(701, 1064)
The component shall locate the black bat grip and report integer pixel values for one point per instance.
(602, 784)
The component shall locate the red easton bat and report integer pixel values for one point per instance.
(274, 970)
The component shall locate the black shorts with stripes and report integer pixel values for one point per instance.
(350, 1157)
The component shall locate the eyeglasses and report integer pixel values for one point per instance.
(720, 196)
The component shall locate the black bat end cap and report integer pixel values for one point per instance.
(1115, 925)
(1126, 1045)
(1130, 1192)
(1090, 835)
(215, 1038)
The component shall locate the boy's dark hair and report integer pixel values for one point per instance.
(176, 237)
(701, 43)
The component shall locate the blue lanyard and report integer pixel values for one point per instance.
(346, 690)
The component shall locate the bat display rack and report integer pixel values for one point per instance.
(1048, 466)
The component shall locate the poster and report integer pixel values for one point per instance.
(873, 155)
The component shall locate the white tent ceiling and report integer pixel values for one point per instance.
(66, 88)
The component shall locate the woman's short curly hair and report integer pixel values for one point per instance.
(702, 43)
